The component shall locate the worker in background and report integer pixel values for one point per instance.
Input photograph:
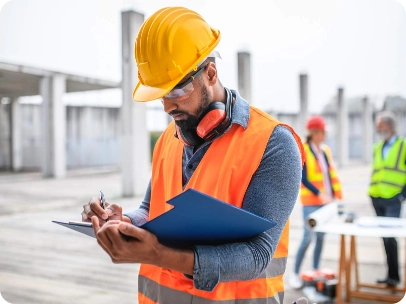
(219, 145)
(320, 185)
(388, 184)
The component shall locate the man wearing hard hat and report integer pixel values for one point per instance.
(219, 145)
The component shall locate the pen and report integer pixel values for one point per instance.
(103, 202)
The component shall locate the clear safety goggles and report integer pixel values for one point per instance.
(183, 90)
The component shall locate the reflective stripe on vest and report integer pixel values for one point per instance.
(389, 174)
(168, 295)
(224, 172)
(163, 293)
(315, 177)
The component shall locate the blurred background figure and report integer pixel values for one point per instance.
(320, 186)
(388, 184)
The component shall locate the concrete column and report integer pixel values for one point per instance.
(53, 116)
(342, 129)
(367, 127)
(5, 137)
(135, 140)
(16, 128)
(244, 75)
(304, 112)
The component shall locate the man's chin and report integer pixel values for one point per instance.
(181, 123)
(185, 124)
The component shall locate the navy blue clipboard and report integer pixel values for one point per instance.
(199, 219)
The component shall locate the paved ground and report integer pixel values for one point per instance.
(41, 262)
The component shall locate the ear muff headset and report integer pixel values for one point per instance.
(214, 120)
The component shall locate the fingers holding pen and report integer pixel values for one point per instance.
(114, 212)
(94, 208)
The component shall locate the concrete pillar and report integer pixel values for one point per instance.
(16, 128)
(304, 112)
(5, 137)
(342, 129)
(135, 141)
(244, 75)
(367, 128)
(53, 116)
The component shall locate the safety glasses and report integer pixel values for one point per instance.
(183, 90)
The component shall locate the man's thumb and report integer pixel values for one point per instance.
(128, 231)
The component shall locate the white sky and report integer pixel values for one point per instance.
(357, 44)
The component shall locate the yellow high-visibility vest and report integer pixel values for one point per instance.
(389, 174)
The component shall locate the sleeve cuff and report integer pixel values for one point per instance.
(138, 217)
(206, 271)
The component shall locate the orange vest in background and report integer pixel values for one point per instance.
(224, 172)
(315, 176)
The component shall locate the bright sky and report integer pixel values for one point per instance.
(357, 44)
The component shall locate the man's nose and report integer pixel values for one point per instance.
(169, 105)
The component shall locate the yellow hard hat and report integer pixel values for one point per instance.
(170, 44)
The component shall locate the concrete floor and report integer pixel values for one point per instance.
(41, 262)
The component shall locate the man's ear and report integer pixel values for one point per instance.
(212, 73)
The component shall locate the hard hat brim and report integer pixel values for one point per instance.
(143, 93)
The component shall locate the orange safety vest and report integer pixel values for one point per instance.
(224, 172)
(315, 176)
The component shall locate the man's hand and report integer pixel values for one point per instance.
(139, 245)
(126, 243)
(94, 208)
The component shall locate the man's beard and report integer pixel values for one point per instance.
(191, 121)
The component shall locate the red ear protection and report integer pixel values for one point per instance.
(212, 117)
(214, 120)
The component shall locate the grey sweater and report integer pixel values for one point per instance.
(271, 194)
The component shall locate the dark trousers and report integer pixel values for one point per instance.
(389, 207)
